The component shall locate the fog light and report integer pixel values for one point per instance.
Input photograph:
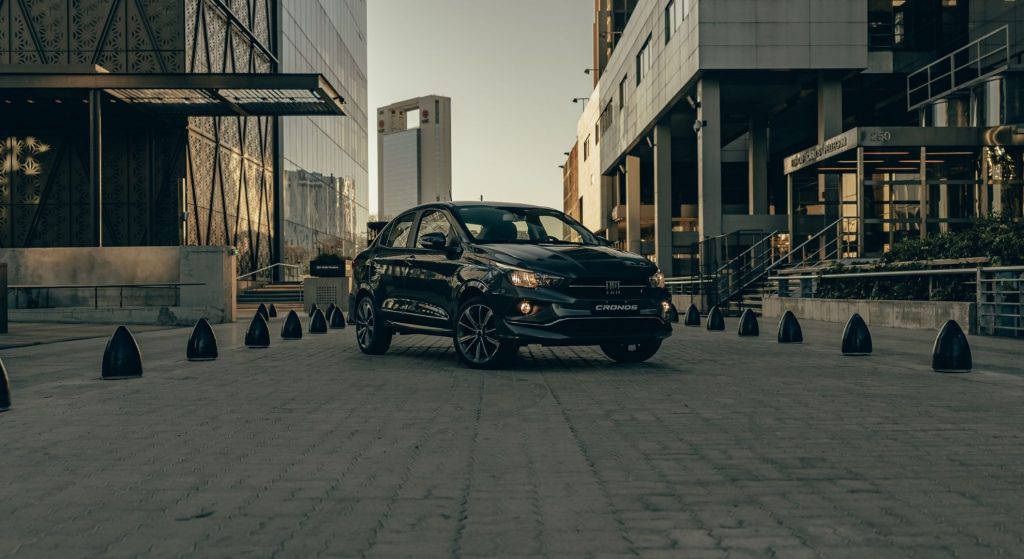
(666, 307)
(525, 307)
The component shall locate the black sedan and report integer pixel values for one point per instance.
(495, 277)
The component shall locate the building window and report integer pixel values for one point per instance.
(674, 17)
(604, 122)
(622, 91)
(586, 149)
(644, 61)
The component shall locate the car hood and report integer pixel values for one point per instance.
(572, 261)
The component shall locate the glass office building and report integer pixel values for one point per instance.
(184, 122)
(324, 160)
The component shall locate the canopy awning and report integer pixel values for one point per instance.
(901, 138)
(192, 94)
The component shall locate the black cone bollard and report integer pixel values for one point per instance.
(262, 310)
(692, 316)
(313, 309)
(337, 319)
(952, 353)
(258, 334)
(748, 324)
(716, 320)
(673, 314)
(329, 310)
(273, 311)
(292, 329)
(202, 344)
(122, 358)
(5, 389)
(856, 337)
(318, 324)
(789, 329)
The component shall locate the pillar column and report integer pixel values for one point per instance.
(633, 204)
(96, 165)
(757, 165)
(984, 194)
(923, 195)
(830, 123)
(709, 158)
(663, 197)
(861, 202)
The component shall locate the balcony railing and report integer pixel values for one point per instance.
(986, 57)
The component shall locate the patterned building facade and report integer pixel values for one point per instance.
(44, 154)
(167, 180)
(229, 192)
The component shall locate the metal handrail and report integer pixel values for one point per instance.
(105, 285)
(96, 289)
(902, 273)
(948, 67)
(805, 243)
(749, 250)
(271, 267)
(687, 280)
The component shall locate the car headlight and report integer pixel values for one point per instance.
(532, 280)
(658, 280)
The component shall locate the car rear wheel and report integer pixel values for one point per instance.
(476, 341)
(631, 353)
(373, 336)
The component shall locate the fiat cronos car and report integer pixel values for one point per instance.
(494, 277)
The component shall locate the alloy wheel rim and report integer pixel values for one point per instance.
(475, 334)
(364, 324)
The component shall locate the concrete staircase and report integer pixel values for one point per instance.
(285, 296)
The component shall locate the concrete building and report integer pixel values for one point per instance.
(570, 184)
(414, 147)
(610, 18)
(163, 123)
(715, 119)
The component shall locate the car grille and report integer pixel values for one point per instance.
(607, 289)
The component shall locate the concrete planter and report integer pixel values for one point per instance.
(912, 315)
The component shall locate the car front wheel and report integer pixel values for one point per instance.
(373, 336)
(631, 353)
(476, 341)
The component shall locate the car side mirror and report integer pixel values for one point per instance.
(434, 241)
(603, 241)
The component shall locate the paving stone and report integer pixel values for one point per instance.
(718, 447)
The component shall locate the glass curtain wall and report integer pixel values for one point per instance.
(900, 197)
(325, 179)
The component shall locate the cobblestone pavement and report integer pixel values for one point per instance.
(719, 447)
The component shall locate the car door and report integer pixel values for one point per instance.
(431, 271)
(390, 267)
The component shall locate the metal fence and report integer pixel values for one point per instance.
(140, 295)
(999, 291)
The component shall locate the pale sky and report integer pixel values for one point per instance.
(511, 68)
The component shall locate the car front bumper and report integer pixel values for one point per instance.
(559, 319)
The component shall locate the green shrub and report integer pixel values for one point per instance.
(999, 238)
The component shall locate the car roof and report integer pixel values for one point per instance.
(477, 204)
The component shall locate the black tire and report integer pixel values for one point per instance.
(631, 353)
(373, 337)
(474, 336)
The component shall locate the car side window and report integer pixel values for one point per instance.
(434, 221)
(398, 233)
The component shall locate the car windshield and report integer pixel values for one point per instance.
(489, 224)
